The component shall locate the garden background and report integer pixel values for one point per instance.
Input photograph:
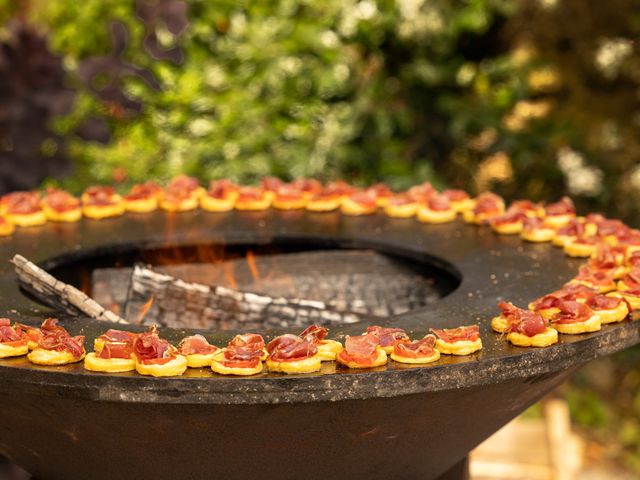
(534, 98)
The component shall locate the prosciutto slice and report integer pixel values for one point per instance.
(438, 203)
(594, 276)
(144, 190)
(221, 189)
(387, 336)
(290, 348)
(196, 345)
(149, 348)
(309, 186)
(522, 321)
(469, 333)
(416, 349)
(456, 195)
(572, 312)
(361, 349)
(364, 199)
(315, 333)
(99, 195)
(60, 201)
(563, 207)
(22, 202)
(11, 336)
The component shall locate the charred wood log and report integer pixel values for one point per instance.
(57, 294)
(183, 304)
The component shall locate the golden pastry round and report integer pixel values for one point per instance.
(27, 219)
(13, 350)
(351, 208)
(538, 235)
(324, 205)
(562, 240)
(558, 221)
(184, 205)
(632, 300)
(614, 315)
(174, 367)
(211, 204)
(499, 324)
(222, 369)
(328, 349)
(462, 347)
(68, 216)
(110, 365)
(40, 356)
(592, 324)
(544, 339)
(511, 228)
(579, 250)
(141, 205)
(426, 215)
(417, 360)
(305, 365)
(407, 210)
(380, 360)
(461, 206)
(253, 205)
(98, 212)
(6, 228)
(200, 360)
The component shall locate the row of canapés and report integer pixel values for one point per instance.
(149, 354)
(535, 222)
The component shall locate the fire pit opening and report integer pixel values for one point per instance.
(283, 283)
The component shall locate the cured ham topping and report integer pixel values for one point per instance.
(563, 207)
(149, 348)
(142, 191)
(606, 258)
(522, 321)
(583, 240)
(634, 259)
(632, 279)
(416, 349)
(250, 194)
(115, 350)
(99, 196)
(307, 185)
(380, 190)
(608, 227)
(235, 357)
(22, 203)
(456, 195)
(251, 341)
(572, 229)
(51, 336)
(341, 187)
(364, 199)
(288, 192)
(509, 218)
(488, 203)
(531, 224)
(315, 333)
(60, 201)
(387, 336)
(196, 345)
(595, 276)
(422, 192)
(603, 302)
(469, 333)
(11, 336)
(362, 349)
(571, 312)
(438, 203)
(629, 237)
(524, 206)
(271, 184)
(572, 291)
(181, 188)
(221, 189)
(120, 336)
(288, 348)
(401, 199)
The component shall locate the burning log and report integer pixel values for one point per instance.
(58, 294)
(192, 305)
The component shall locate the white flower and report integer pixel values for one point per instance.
(610, 55)
(200, 127)
(366, 9)
(634, 177)
(585, 181)
(329, 39)
(569, 160)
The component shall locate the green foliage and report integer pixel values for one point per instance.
(289, 88)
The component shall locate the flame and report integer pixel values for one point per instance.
(253, 268)
(144, 309)
(228, 274)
